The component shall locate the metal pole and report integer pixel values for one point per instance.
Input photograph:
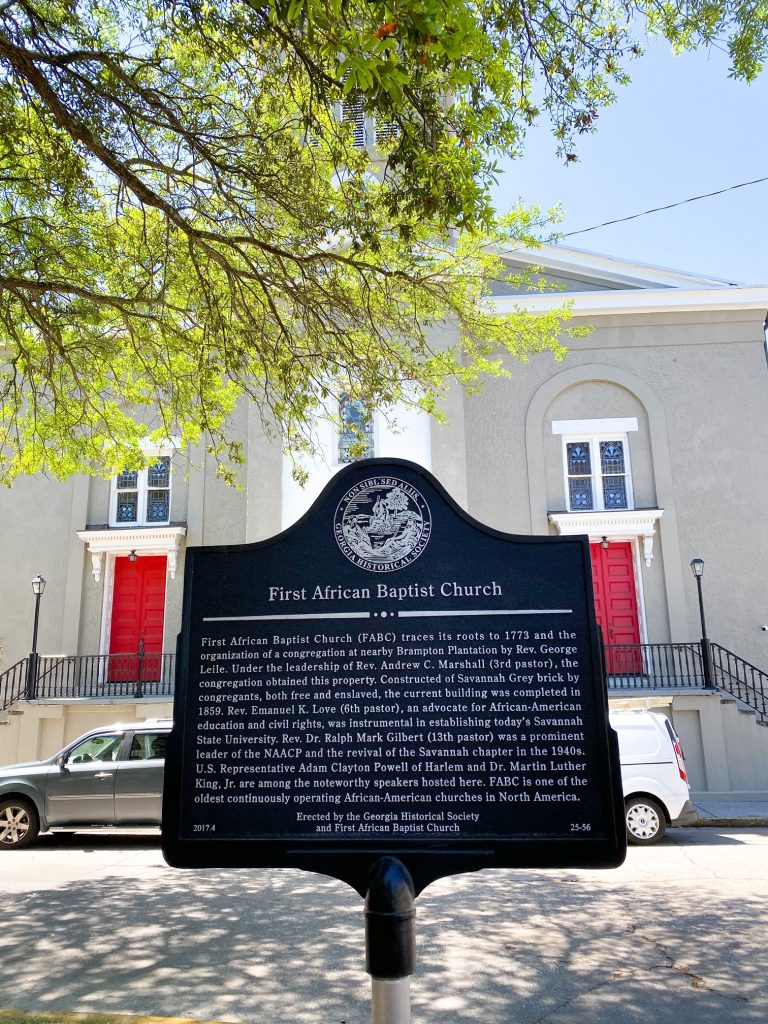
(706, 653)
(390, 941)
(390, 1001)
(32, 663)
(34, 627)
(139, 691)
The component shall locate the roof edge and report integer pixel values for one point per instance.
(657, 300)
(581, 263)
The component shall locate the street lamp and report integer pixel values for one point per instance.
(697, 568)
(38, 586)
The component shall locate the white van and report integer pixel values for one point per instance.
(656, 792)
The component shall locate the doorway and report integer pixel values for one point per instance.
(613, 578)
(138, 619)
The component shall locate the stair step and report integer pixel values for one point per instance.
(743, 709)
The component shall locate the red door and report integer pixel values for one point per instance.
(613, 577)
(138, 610)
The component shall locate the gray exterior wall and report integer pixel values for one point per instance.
(698, 386)
(38, 520)
(696, 383)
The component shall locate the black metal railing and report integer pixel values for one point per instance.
(741, 680)
(639, 667)
(13, 683)
(654, 666)
(80, 676)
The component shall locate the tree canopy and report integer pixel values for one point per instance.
(187, 216)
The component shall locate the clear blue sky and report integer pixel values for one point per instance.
(680, 129)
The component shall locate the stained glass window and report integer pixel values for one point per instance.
(127, 480)
(614, 492)
(613, 472)
(596, 475)
(580, 494)
(579, 476)
(127, 507)
(127, 484)
(579, 462)
(157, 506)
(159, 475)
(356, 429)
(611, 457)
(143, 497)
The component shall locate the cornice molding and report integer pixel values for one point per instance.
(145, 540)
(626, 524)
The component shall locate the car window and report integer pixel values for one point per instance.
(147, 746)
(96, 748)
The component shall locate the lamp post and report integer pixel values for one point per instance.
(697, 568)
(38, 586)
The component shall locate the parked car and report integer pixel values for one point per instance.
(113, 775)
(656, 791)
(109, 776)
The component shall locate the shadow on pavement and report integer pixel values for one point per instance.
(701, 835)
(98, 838)
(286, 947)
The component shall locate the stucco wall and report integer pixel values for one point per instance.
(38, 518)
(699, 388)
(42, 729)
(696, 383)
(725, 750)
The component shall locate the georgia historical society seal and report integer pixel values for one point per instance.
(382, 524)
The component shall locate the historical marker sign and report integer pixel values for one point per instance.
(391, 677)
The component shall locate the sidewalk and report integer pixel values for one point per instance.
(731, 810)
(675, 935)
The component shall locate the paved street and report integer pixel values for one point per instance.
(676, 935)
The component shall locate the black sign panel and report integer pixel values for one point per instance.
(390, 676)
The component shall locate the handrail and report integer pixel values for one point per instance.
(654, 666)
(13, 683)
(79, 676)
(640, 667)
(741, 680)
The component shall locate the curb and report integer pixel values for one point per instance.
(730, 823)
(49, 1017)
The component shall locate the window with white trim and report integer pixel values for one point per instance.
(596, 474)
(142, 497)
(356, 427)
(596, 464)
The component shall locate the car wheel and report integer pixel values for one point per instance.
(19, 823)
(645, 821)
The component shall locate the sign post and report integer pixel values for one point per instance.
(390, 941)
(391, 682)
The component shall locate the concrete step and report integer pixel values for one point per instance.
(745, 709)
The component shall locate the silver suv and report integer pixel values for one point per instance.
(109, 776)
